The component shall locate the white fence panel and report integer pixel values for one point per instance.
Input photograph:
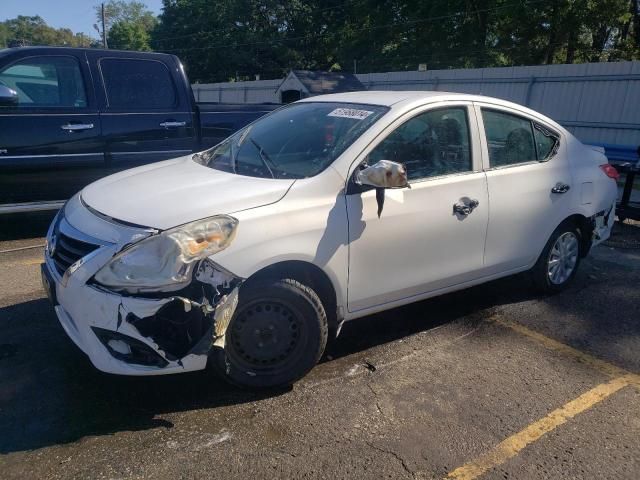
(598, 102)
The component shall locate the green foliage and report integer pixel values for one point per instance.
(234, 39)
(24, 30)
(220, 40)
(128, 36)
(128, 24)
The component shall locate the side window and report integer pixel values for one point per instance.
(546, 142)
(46, 82)
(509, 138)
(137, 84)
(431, 144)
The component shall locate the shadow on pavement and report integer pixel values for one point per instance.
(50, 393)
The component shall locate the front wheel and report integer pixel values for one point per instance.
(559, 261)
(277, 334)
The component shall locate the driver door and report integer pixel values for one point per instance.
(419, 244)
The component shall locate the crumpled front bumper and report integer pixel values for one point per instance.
(85, 309)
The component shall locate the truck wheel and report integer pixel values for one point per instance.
(277, 334)
(558, 263)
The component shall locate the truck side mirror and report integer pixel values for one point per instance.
(8, 97)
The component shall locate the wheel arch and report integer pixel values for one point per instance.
(584, 225)
(313, 277)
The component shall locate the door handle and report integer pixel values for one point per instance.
(560, 188)
(465, 208)
(172, 124)
(76, 127)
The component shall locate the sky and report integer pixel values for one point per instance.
(78, 15)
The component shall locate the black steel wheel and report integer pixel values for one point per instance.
(278, 333)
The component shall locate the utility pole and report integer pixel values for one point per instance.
(104, 28)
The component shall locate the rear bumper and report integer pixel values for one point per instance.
(602, 223)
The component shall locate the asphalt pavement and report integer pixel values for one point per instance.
(491, 382)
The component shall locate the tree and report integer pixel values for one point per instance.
(25, 30)
(128, 36)
(128, 24)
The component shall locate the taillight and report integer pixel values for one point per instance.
(610, 171)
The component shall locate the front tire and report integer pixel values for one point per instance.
(558, 263)
(277, 334)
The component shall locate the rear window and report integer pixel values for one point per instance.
(140, 84)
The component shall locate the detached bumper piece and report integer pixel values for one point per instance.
(128, 349)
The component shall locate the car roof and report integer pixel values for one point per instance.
(385, 98)
(402, 100)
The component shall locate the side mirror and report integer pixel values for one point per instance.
(382, 175)
(8, 97)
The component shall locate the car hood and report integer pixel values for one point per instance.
(166, 194)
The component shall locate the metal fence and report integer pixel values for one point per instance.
(598, 102)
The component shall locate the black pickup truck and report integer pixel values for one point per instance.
(69, 116)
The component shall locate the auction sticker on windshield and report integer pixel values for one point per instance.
(350, 113)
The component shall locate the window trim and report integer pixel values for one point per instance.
(52, 108)
(475, 145)
(109, 107)
(479, 106)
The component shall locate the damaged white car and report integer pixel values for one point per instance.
(251, 254)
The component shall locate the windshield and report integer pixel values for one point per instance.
(297, 141)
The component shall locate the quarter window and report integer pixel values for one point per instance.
(143, 84)
(431, 144)
(512, 139)
(546, 142)
(46, 82)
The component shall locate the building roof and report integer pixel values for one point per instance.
(317, 83)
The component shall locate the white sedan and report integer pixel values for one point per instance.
(253, 253)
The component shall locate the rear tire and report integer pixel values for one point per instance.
(559, 261)
(277, 334)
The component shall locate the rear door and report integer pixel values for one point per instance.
(530, 186)
(50, 143)
(146, 117)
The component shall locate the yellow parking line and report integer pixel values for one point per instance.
(582, 357)
(511, 446)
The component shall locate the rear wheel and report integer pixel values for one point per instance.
(278, 333)
(559, 261)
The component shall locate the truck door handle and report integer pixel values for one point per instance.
(465, 208)
(172, 124)
(560, 188)
(76, 127)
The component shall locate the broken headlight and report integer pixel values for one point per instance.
(165, 262)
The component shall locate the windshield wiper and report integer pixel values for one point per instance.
(264, 157)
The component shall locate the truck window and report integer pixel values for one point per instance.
(46, 82)
(137, 84)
